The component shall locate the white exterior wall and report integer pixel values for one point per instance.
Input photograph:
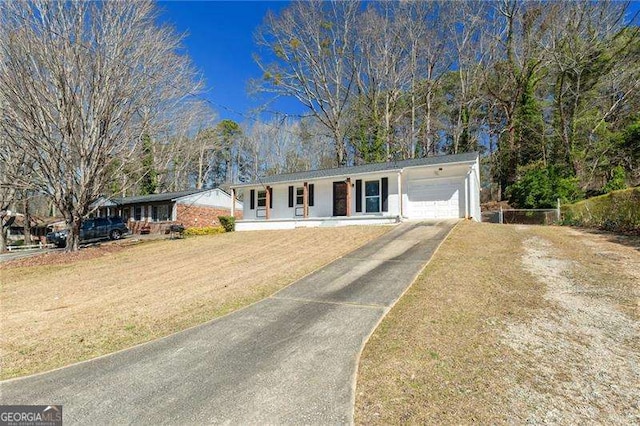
(323, 198)
(427, 192)
(212, 198)
(439, 182)
(474, 179)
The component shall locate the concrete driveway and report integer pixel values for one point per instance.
(290, 358)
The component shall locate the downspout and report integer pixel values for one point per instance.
(467, 192)
(233, 202)
(401, 213)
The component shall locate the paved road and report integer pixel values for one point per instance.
(22, 254)
(289, 359)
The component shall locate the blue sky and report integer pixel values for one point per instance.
(220, 42)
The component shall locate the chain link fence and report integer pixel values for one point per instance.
(523, 216)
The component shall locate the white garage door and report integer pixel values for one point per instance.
(433, 200)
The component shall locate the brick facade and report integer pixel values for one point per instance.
(186, 215)
(199, 216)
(136, 227)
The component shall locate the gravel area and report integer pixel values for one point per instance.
(582, 352)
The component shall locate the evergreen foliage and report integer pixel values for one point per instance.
(540, 186)
(149, 182)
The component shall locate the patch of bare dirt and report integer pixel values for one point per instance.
(582, 351)
(621, 249)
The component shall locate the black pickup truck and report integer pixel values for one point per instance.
(99, 228)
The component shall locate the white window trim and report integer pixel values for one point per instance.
(301, 189)
(258, 198)
(379, 196)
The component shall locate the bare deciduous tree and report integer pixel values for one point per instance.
(313, 43)
(12, 181)
(81, 83)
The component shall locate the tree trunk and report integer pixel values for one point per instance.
(3, 238)
(340, 148)
(387, 126)
(27, 221)
(427, 119)
(200, 170)
(73, 238)
(412, 154)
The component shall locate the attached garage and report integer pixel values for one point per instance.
(432, 199)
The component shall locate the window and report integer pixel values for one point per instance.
(372, 196)
(160, 213)
(299, 196)
(125, 214)
(137, 213)
(262, 198)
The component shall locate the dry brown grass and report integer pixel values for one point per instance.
(57, 314)
(476, 338)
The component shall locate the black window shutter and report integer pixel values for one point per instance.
(385, 194)
(270, 197)
(311, 194)
(252, 195)
(291, 196)
(358, 195)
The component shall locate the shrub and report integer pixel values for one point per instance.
(540, 186)
(204, 230)
(228, 223)
(617, 211)
(617, 180)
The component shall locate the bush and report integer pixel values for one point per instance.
(617, 211)
(617, 180)
(204, 230)
(540, 186)
(228, 223)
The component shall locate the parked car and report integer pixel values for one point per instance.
(99, 228)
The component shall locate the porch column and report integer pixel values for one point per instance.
(305, 199)
(348, 196)
(233, 202)
(268, 203)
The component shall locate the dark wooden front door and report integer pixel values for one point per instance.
(339, 198)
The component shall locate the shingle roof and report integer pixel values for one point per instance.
(365, 168)
(154, 198)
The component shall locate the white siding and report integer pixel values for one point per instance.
(323, 198)
(474, 181)
(211, 198)
(429, 199)
(437, 191)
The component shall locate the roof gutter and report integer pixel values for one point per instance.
(401, 169)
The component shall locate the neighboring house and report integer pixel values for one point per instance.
(39, 227)
(155, 212)
(425, 188)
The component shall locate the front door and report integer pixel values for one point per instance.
(339, 198)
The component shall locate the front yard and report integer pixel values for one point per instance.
(511, 325)
(105, 299)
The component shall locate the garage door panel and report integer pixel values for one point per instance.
(433, 200)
